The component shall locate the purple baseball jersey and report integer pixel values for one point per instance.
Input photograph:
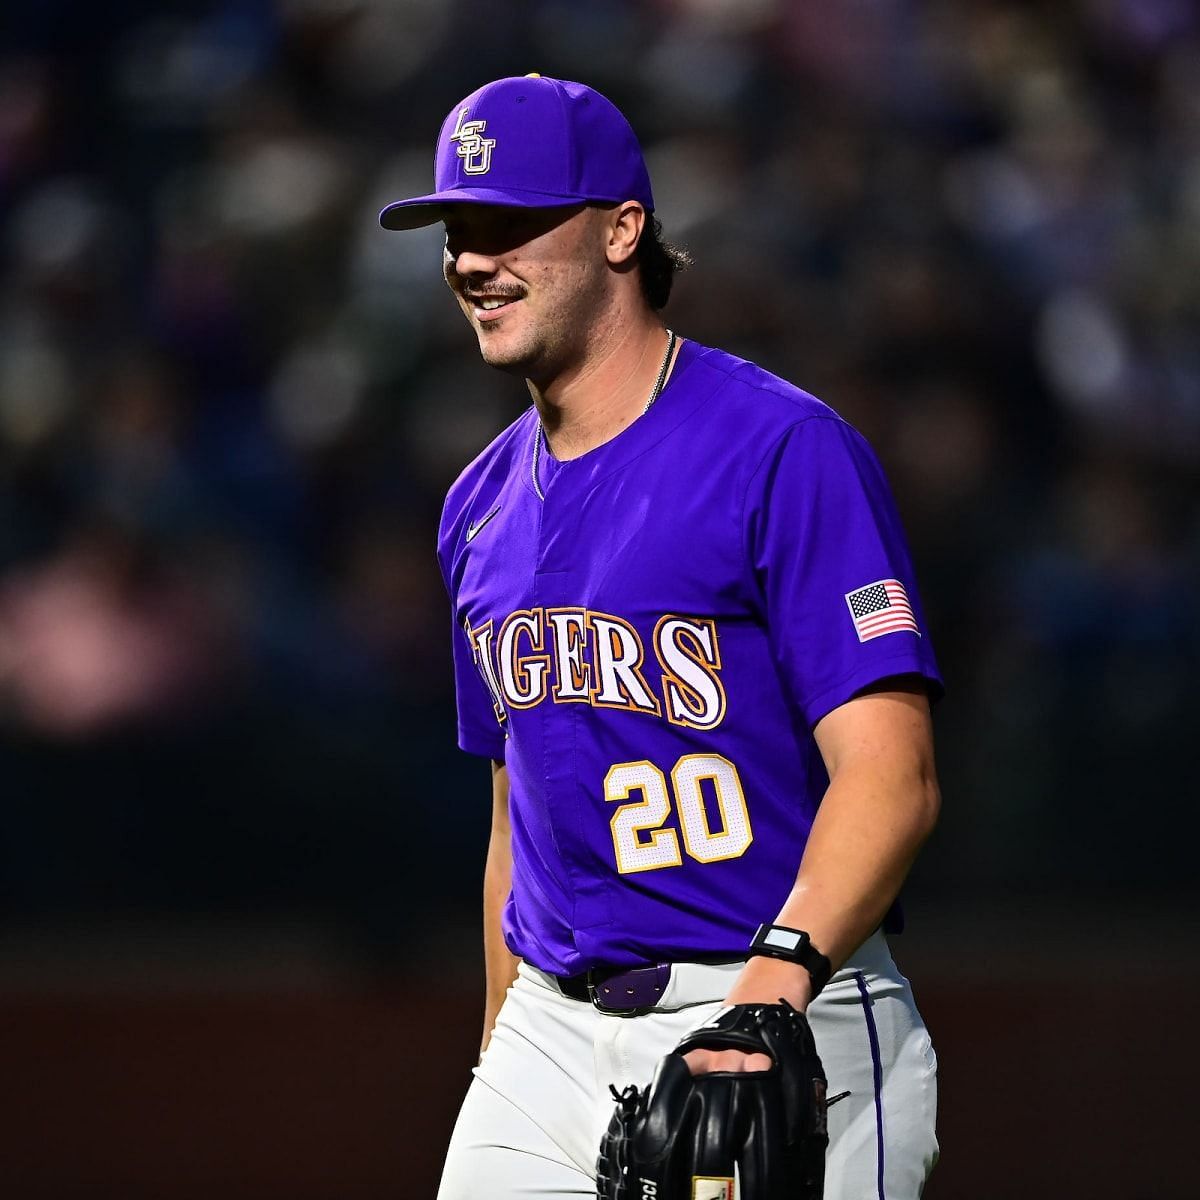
(649, 648)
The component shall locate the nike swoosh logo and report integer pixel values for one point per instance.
(476, 526)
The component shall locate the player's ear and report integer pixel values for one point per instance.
(623, 231)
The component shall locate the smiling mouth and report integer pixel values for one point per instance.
(488, 308)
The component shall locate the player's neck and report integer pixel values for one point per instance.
(605, 392)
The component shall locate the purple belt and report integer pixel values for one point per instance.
(620, 993)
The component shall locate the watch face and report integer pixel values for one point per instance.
(783, 939)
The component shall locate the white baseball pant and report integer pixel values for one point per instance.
(534, 1114)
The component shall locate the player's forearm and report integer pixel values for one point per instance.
(867, 833)
(500, 963)
(850, 876)
(881, 805)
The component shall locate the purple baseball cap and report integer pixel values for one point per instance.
(530, 142)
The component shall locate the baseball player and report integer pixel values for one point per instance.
(687, 634)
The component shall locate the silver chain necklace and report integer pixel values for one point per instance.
(539, 433)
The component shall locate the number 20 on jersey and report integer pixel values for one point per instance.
(641, 840)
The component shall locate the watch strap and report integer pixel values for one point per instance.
(793, 945)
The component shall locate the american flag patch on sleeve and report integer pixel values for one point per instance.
(881, 608)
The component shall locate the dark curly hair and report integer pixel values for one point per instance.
(658, 261)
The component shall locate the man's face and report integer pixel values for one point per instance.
(530, 280)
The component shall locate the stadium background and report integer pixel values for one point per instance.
(240, 854)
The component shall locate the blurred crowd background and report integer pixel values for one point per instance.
(230, 406)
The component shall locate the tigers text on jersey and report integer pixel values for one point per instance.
(649, 648)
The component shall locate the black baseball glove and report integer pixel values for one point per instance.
(680, 1138)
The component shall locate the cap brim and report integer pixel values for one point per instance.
(425, 210)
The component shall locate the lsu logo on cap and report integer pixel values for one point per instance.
(474, 150)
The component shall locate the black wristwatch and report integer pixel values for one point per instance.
(794, 945)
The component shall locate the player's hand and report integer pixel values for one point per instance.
(762, 981)
(768, 980)
(702, 1062)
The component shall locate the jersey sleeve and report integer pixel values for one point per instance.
(479, 732)
(832, 570)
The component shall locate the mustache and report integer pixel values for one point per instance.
(502, 291)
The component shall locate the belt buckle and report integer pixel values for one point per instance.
(631, 993)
